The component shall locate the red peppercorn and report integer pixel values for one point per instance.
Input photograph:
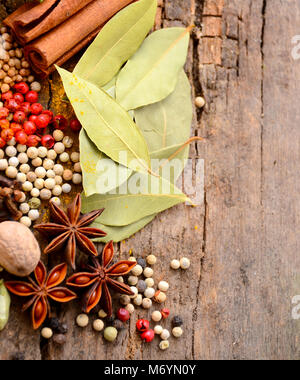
(49, 113)
(12, 105)
(19, 97)
(60, 122)
(32, 97)
(4, 112)
(36, 108)
(29, 127)
(7, 134)
(4, 124)
(75, 125)
(48, 141)
(123, 315)
(21, 87)
(148, 336)
(7, 95)
(21, 137)
(15, 127)
(142, 325)
(42, 121)
(165, 313)
(2, 143)
(19, 116)
(33, 118)
(25, 107)
(33, 140)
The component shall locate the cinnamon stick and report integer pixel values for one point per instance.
(32, 20)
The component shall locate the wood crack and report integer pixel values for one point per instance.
(263, 14)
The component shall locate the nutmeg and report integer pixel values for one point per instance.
(19, 249)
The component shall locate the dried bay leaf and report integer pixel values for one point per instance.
(152, 73)
(168, 122)
(118, 234)
(119, 39)
(107, 124)
(135, 200)
(100, 173)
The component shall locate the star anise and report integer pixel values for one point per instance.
(39, 291)
(71, 229)
(100, 278)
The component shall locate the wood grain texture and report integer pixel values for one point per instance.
(243, 241)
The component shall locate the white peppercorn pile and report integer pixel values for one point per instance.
(41, 173)
(13, 66)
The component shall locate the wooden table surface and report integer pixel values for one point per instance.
(236, 299)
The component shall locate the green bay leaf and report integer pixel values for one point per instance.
(117, 42)
(142, 195)
(107, 124)
(169, 121)
(100, 173)
(152, 73)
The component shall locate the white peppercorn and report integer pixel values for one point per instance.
(49, 183)
(75, 157)
(26, 221)
(134, 290)
(11, 172)
(67, 175)
(147, 303)
(51, 154)
(148, 272)
(42, 151)
(137, 270)
(77, 178)
(33, 214)
(199, 102)
(55, 200)
(149, 292)
(31, 176)
(149, 282)
(165, 334)
(1, 154)
(177, 332)
(156, 316)
(138, 300)
(151, 259)
(45, 194)
(39, 183)
(21, 177)
(58, 169)
(24, 168)
(32, 152)
(12, 142)
(67, 141)
(24, 207)
(160, 297)
(164, 345)
(35, 192)
(48, 164)
(132, 280)
(102, 314)
(57, 190)
(163, 285)
(11, 151)
(40, 172)
(21, 148)
(13, 161)
(82, 320)
(185, 263)
(3, 164)
(27, 186)
(37, 162)
(64, 157)
(158, 329)
(66, 188)
(47, 333)
(35, 86)
(59, 148)
(98, 325)
(23, 158)
(77, 167)
(58, 135)
(50, 173)
(58, 179)
(175, 264)
(130, 308)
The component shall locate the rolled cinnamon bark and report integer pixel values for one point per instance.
(34, 19)
(62, 42)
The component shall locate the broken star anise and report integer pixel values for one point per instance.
(71, 229)
(39, 291)
(100, 278)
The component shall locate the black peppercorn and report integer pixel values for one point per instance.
(62, 328)
(141, 286)
(54, 323)
(119, 325)
(141, 262)
(177, 321)
(110, 320)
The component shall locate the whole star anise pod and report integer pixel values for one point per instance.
(39, 291)
(70, 229)
(100, 278)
